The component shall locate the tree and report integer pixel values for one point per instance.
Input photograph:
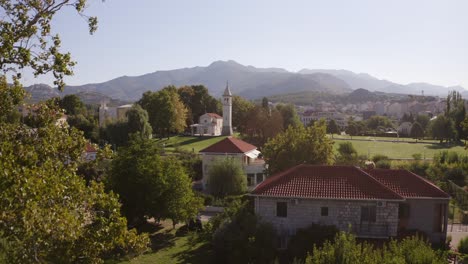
(137, 122)
(240, 112)
(115, 133)
(332, 127)
(167, 114)
(180, 200)
(265, 103)
(417, 131)
(151, 186)
(347, 154)
(289, 114)
(63, 219)
(442, 128)
(376, 122)
(198, 101)
(88, 126)
(423, 120)
(72, 104)
(27, 40)
(455, 111)
(226, 177)
(407, 118)
(352, 129)
(49, 215)
(298, 145)
(262, 124)
(241, 237)
(10, 98)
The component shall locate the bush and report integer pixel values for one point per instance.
(345, 249)
(378, 157)
(463, 246)
(240, 237)
(304, 240)
(383, 164)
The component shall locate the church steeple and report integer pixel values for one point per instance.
(227, 112)
(227, 91)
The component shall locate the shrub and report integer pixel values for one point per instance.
(378, 157)
(463, 246)
(383, 164)
(345, 249)
(240, 237)
(304, 240)
(417, 156)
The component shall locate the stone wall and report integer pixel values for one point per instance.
(345, 214)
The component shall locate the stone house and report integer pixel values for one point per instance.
(369, 203)
(209, 124)
(245, 153)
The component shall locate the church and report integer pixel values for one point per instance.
(212, 124)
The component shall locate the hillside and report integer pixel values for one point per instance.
(247, 81)
(368, 82)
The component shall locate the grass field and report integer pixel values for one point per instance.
(402, 148)
(171, 246)
(188, 143)
(398, 148)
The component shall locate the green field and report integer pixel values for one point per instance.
(400, 149)
(188, 143)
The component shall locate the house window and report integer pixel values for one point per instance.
(282, 209)
(324, 211)
(259, 177)
(368, 213)
(403, 211)
(250, 179)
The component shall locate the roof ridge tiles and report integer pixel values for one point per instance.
(380, 183)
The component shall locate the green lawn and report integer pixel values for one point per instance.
(188, 143)
(175, 246)
(400, 149)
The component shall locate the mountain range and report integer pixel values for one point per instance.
(247, 81)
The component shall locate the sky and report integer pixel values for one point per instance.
(398, 40)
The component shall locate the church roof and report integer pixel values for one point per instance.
(229, 145)
(214, 115)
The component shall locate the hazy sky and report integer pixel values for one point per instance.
(402, 41)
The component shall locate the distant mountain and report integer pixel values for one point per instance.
(366, 81)
(41, 92)
(247, 81)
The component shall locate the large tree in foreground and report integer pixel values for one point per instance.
(298, 145)
(48, 213)
(150, 185)
(226, 177)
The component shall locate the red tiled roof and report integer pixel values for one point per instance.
(230, 145)
(325, 182)
(407, 184)
(90, 147)
(214, 115)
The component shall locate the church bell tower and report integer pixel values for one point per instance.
(227, 112)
